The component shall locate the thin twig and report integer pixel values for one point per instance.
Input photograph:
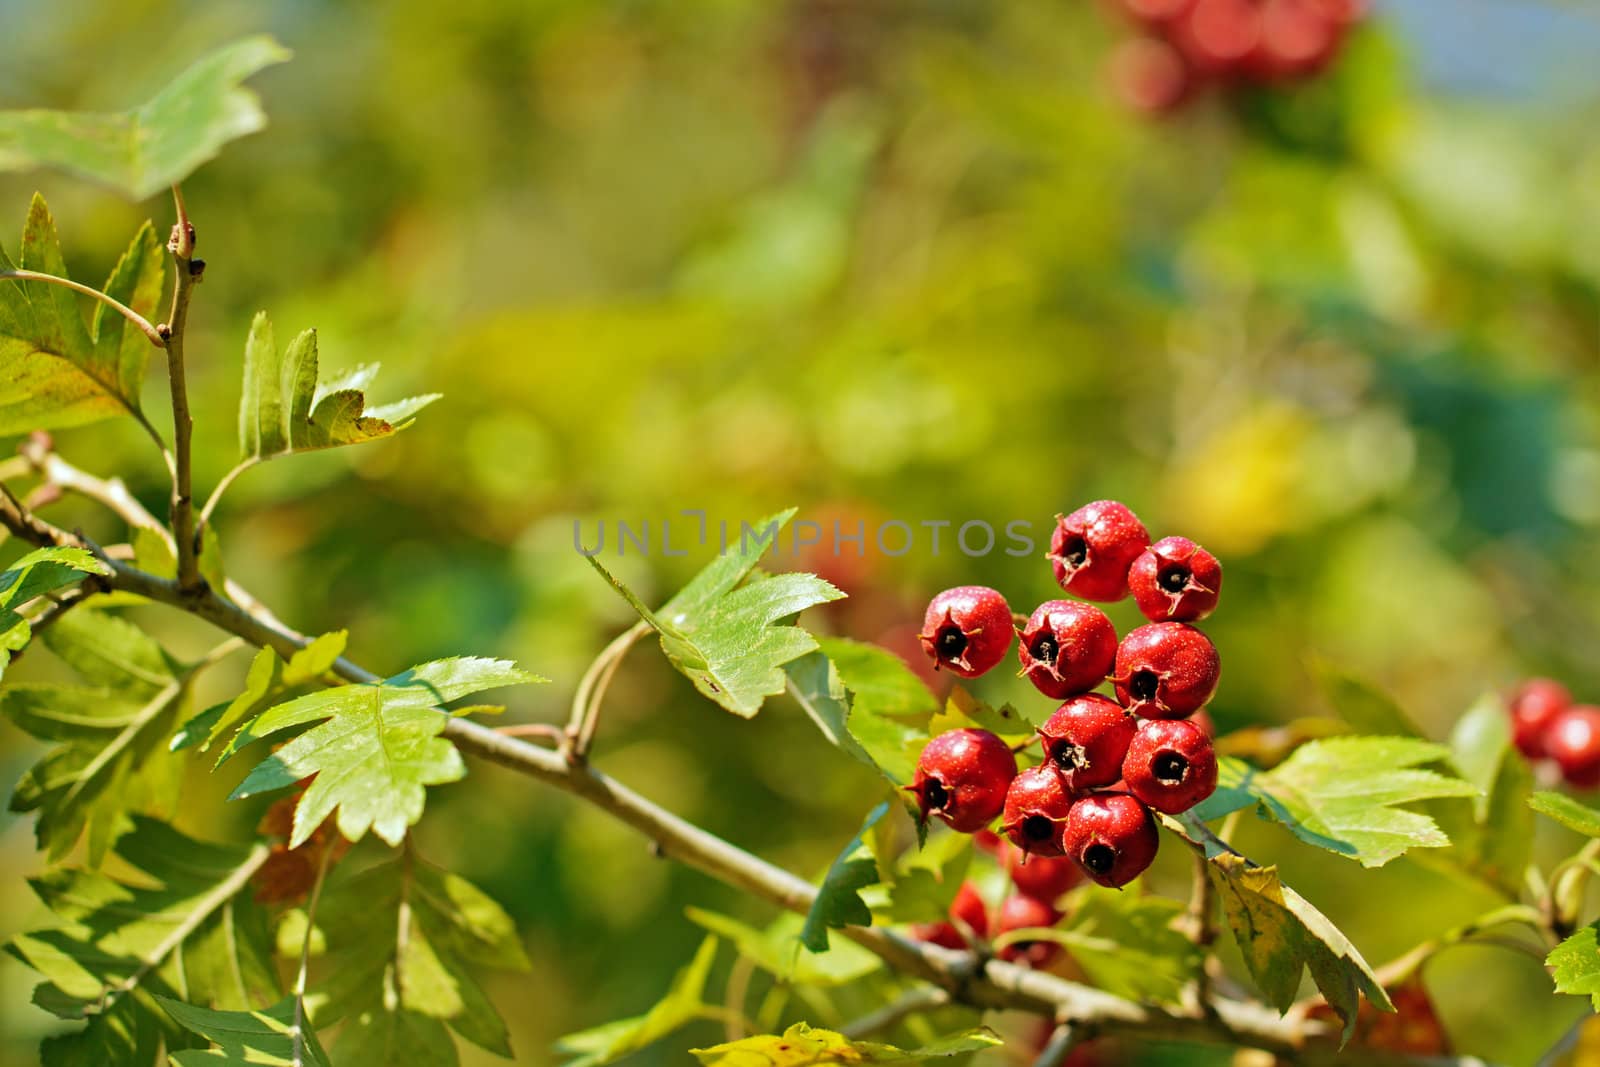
(145, 326)
(542, 730)
(182, 512)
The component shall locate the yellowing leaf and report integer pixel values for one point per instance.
(804, 1046)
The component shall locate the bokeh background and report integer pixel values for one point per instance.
(879, 260)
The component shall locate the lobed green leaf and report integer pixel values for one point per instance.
(803, 1046)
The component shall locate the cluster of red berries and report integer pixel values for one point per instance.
(1185, 45)
(1546, 724)
(1106, 763)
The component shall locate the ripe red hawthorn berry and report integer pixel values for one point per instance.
(1067, 647)
(969, 910)
(1020, 912)
(962, 777)
(1217, 36)
(1166, 670)
(1092, 549)
(1296, 39)
(1041, 877)
(1175, 580)
(1535, 703)
(1150, 75)
(967, 629)
(1171, 765)
(1112, 836)
(1036, 806)
(1086, 739)
(1573, 740)
(1341, 12)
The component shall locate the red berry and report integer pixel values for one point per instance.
(1202, 719)
(1067, 647)
(1025, 913)
(1112, 836)
(1086, 739)
(1166, 670)
(1573, 741)
(1175, 580)
(967, 629)
(1341, 12)
(988, 841)
(1216, 36)
(1042, 877)
(1171, 765)
(1536, 703)
(1155, 12)
(1296, 39)
(1092, 549)
(962, 777)
(969, 910)
(1150, 75)
(1035, 808)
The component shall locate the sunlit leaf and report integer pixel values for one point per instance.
(1570, 813)
(776, 950)
(284, 409)
(731, 640)
(1342, 794)
(1128, 945)
(802, 1046)
(142, 151)
(56, 371)
(375, 749)
(44, 570)
(1575, 964)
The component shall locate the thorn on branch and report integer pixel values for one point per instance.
(164, 331)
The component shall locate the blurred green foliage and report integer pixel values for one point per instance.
(882, 261)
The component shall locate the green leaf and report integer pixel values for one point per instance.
(376, 749)
(802, 1046)
(188, 925)
(730, 639)
(1568, 812)
(268, 681)
(44, 570)
(1575, 964)
(284, 410)
(111, 760)
(776, 950)
(1362, 704)
(1340, 793)
(683, 1004)
(1128, 945)
(245, 1037)
(1280, 934)
(922, 885)
(57, 372)
(405, 940)
(838, 903)
(161, 142)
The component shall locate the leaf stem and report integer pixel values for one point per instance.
(182, 512)
(297, 1032)
(216, 493)
(591, 692)
(144, 325)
